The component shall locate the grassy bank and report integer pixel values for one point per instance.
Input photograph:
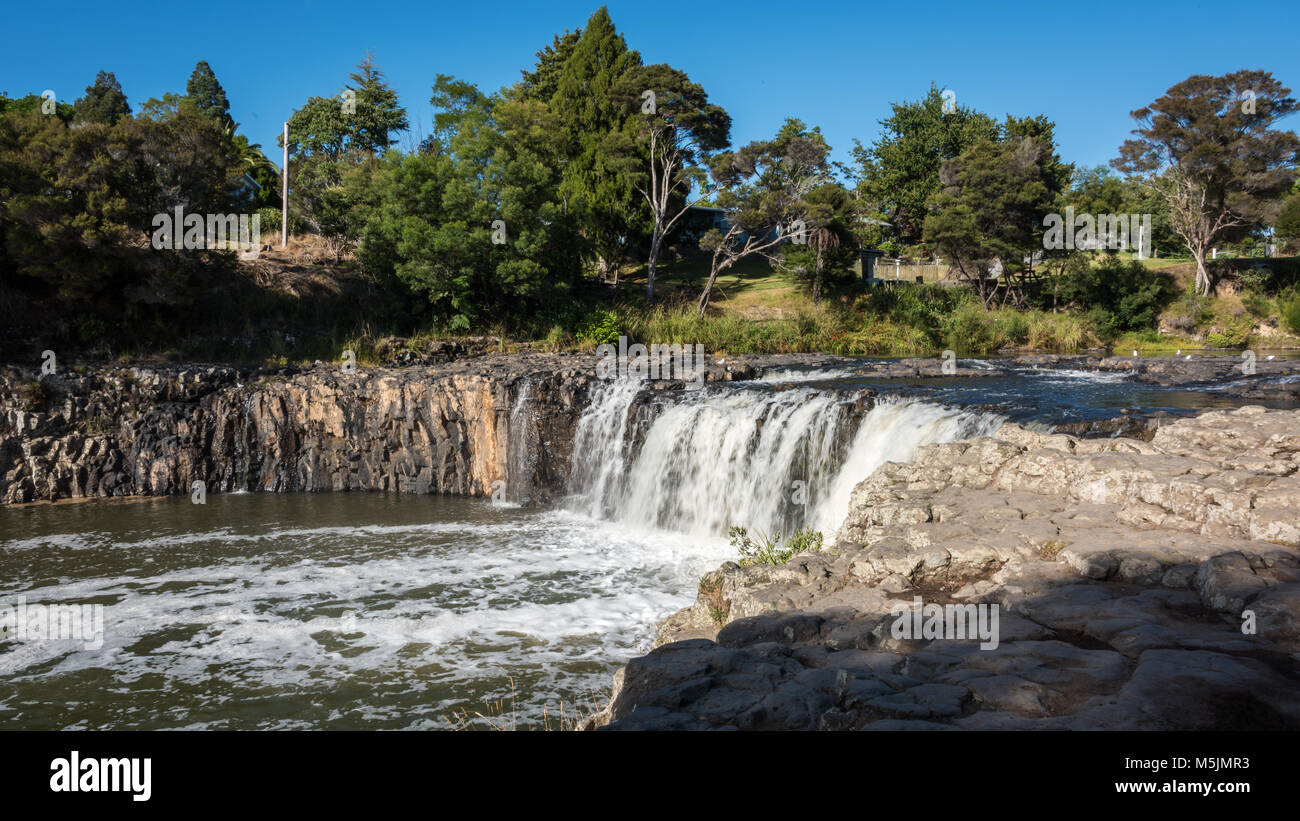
(298, 307)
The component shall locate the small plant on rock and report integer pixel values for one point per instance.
(764, 549)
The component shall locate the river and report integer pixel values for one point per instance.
(389, 611)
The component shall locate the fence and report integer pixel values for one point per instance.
(892, 269)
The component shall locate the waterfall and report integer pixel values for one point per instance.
(521, 447)
(772, 461)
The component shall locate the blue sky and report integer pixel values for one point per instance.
(837, 65)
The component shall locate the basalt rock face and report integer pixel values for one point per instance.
(1139, 585)
(155, 431)
(467, 425)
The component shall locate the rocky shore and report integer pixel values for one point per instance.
(1139, 585)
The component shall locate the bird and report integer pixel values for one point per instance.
(1269, 358)
(1179, 352)
(1189, 356)
(1135, 351)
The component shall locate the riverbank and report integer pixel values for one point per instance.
(1141, 585)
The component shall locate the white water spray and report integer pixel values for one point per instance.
(768, 461)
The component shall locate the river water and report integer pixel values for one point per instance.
(388, 611)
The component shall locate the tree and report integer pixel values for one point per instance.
(544, 80)
(474, 223)
(988, 217)
(33, 104)
(1207, 147)
(900, 172)
(206, 94)
(378, 115)
(831, 245)
(330, 136)
(1288, 220)
(104, 101)
(762, 188)
(186, 158)
(679, 129)
(595, 185)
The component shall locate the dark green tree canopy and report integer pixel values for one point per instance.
(988, 218)
(544, 80)
(206, 93)
(900, 171)
(104, 101)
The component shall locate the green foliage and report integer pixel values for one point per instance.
(104, 101)
(825, 259)
(206, 94)
(1189, 311)
(1288, 221)
(1256, 304)
(970, 330)
(1198, 144)
(1119, 295)
(900, 172)
(1289, 308)
(79, 201)
(337, 142)
(595, 182)
(777, 550)
(432, 222)
(33, 104)
(600, 327)
(923, 307)
(991, 211)
(1256, 280)
(270, 221)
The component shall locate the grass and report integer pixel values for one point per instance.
(764, 549)
(711, 591)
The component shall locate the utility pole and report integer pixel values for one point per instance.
(284, 193)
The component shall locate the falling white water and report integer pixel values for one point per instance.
(768, 461)
(521, 449)
(893, 431)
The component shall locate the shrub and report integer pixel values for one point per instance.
(971, 330)
(600, 327)
(1257, 304)
(1189, 312)
(270, 223)
(1290, 311)
(763, 549)
(1233, 335)
(1255, 279)
(1126, 290)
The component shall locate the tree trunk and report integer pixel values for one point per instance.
(650, 265)
(1204, 286)
(817, 279)
(714, 270)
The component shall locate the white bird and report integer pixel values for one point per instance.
(1179, 352)
(1135, 351)
(1189, 356)
(1269, 358)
